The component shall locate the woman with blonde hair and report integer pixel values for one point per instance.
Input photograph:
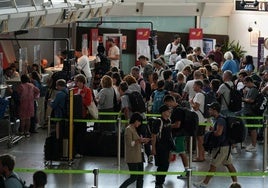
(105, 99)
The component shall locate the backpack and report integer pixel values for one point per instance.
(208, 100)
(259, 104)
(189, 124)
(236, 130)
(23, 183)
(235, 103)
(104, 62)
(211, 141)
(136, 101)
(116, 104)
(158, 100)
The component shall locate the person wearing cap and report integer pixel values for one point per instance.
(218, 158)
(158, 65)
(113, 53)
(162, 143)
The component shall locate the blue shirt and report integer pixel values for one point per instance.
(220, 121)
(231, 66)
(13, 182)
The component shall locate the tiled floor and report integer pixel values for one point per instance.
(29, 154)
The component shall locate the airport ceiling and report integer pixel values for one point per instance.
(28, 14)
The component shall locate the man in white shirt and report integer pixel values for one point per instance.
(183, 62)
(84, 65)
(197, 105)
(188, 89)
(113, 53)
(172, 48)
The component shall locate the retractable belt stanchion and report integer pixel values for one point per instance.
(48, 125)
(119, 143)
(189, 170)
(265, 145)
(96, 178)
(71, 128)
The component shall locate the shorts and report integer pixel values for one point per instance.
(252, 121)
(221, 158)
(200, 130)
(179, 144)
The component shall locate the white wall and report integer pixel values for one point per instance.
(215, 25)
(238, 29)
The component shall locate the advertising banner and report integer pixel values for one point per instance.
(196, 37)
(142, 42)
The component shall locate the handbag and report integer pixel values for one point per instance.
(93, 110)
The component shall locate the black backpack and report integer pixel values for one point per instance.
(211, 141)
(259, 104)
(188, 125)
(136, 101)
(236, 130)
(208, 100)
(235, 103)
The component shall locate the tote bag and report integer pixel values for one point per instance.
(93, 110)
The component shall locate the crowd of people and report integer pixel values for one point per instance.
(179, 79)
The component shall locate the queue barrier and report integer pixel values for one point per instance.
(189, 173)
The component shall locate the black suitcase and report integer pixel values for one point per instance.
(52, 148)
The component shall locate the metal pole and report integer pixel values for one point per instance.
(265, 145)
(96, 177)
(48, 126)
(189, 170)
(119, 143)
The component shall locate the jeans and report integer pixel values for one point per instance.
(134, 177)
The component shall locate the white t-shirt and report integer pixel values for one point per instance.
(114, 50)
(189, 88)
(200, 99)
(83, 64)
(182, 63)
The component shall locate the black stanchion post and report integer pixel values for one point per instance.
(119, 143)
(96, 177)
(48, 125)
(265, 145)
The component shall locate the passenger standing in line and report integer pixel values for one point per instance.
(171, 49)
(217, 55)
(223, 157)
(229, 63)
(113, 53)
(11, 179)
(162, 144)
(27, 94)
(58, 104)
(198, 105)
(87, 98)
(133, 154)
(39, 180)
(83, 64)
(223, 93)
(248, 99)
(106, 103)
(177, 118)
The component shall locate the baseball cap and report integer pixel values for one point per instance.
(215, 106)
(163, 108)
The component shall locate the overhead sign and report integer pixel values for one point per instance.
(249, 6)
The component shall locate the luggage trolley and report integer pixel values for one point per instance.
(8, 125)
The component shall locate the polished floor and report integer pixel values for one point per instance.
(29, 154)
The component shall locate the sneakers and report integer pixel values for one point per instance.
(234, 150)
(150, 159)
(251, 148)
(200, 185)
(27, 135)
(182, 176)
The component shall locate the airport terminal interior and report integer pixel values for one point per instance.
(63, 25)
(29, 154)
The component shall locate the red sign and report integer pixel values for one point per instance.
(142, 33)
(5, 63)
(196, 34)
